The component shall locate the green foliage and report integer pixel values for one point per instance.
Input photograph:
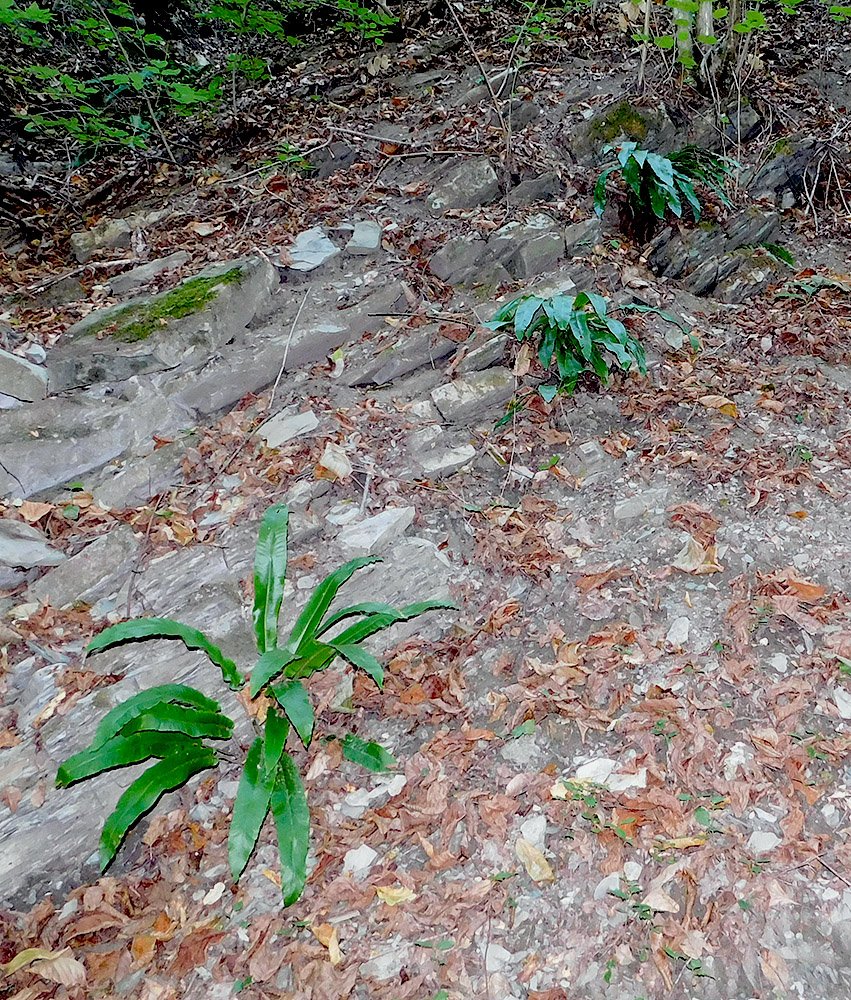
(106, 81)
(659, 184)
(170, 723)
(542, 21)
(576, 333)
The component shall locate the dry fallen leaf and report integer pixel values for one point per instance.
(694, 558)
(32, 511)
(327, 935)
(61, 968)
(720, 403)
(560, 791)
(681, 843)
(537, 866)
(203, 228)
(393, 895)
(659, 900)
(273, 876)
(774, 968)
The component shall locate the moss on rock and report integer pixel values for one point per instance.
(623, 119)
(137, 322)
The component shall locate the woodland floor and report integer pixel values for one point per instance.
(672, 608)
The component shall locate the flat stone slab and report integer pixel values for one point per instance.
(372, 535)
(23, 546)
(286, 426)
(20, 378)
(127, 281)
(101, 567)
(311, 249)
(180, 327)
(468, 400)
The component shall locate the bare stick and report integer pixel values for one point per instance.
(480, 64)
(287, 348)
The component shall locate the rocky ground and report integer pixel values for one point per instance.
(623, 760)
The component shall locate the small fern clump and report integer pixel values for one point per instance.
(656, 184)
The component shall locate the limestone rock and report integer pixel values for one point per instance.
(467, 185)
(22, 545)
(704, 256)
(546, 187)
(529, 248)
(285, 426)
(366, 239)
(475, 397)
(410, 350)
(20, 378)
(75, 436)
(489, 353)
(104, 564)
(111, 233)
(128, 281)
(580, 238)
(134, 481)
(786, 175)
(156, 333)
(312, 249)
(439, 464)
(458, 259)
(367, 537)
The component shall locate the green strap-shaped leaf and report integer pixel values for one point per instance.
(582, 332)
(685, 189)
(295, 701)
(249, 809)
(372, 756)
(503, 315)
(368, 608)
(179, 719)
(377, 608)
(145, 792)
(165, 628)
(275, 732)
(523, 318)
(270, 572)
(270, 664)
(292, 820)
(314, 611)
(119, 752)
(360, 658)
(118, 717)
(600, 195)
(613, 344)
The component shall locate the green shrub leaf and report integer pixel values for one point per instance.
(270, 572)
(167, 717)
(249, 809)
(292, 820)
(276, 731)
(359, 657)
(372, 756)
(119, 752)
(270, 664)
(116, 719)
(308, 622)
(145, 792)
(295, 701)
(165, 628)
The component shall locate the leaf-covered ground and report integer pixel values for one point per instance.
(623, 766)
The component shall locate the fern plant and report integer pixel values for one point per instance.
(576, 332)
(659, 184)
(182, 729)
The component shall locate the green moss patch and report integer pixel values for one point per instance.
(623, 119)
(136, 323)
